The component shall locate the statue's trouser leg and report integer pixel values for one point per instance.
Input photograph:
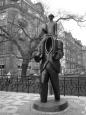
(50, 91)
(55, 83)
(44, 86)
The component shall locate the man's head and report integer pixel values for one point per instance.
(51, 16)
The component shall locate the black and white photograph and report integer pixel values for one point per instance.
(42, 57)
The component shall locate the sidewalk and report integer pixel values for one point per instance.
(13, 103)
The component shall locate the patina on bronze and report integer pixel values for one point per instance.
(50, 53)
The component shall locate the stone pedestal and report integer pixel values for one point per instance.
(51, 105)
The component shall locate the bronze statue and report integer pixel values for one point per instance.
(49, 54)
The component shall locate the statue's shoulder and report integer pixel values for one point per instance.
(59, 43)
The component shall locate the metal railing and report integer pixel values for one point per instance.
(73, 86)
(31, 84)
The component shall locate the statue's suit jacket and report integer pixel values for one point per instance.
(54, 61)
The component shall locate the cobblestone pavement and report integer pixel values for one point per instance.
(12, 103)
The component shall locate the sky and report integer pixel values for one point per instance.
(77, 7)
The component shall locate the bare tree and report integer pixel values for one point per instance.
(22, 33)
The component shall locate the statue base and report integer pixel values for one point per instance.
(50, 105)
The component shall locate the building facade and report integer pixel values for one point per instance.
(72, 62)
(30, 14)
(84, 57)
(33, 14)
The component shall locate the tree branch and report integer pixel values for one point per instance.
(71, 17)
(3, 35)
(16, 56)
(13, 40)
(4, 41)
(1, 28)
(26, 33)
(22, 29)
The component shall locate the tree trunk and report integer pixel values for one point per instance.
(24, 68)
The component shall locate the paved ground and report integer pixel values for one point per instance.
(12, 103)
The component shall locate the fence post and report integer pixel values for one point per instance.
(28, 83)
(64, 86)
(17, 81)
(78, 86)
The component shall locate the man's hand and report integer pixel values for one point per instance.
(58, 55)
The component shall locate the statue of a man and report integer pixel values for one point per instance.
(50, 61)
(50, 27)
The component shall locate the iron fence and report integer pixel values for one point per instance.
(31, 84)
(73, 86)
